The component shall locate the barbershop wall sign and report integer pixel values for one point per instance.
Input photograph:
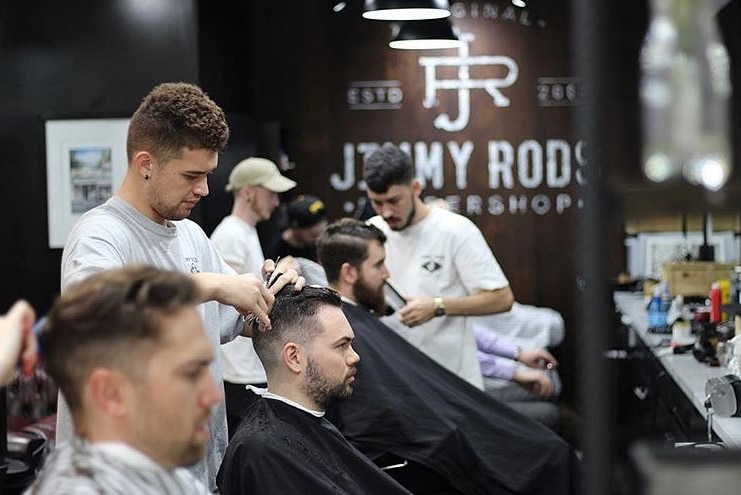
(488, 125)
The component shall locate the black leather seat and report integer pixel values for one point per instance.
(415, 477)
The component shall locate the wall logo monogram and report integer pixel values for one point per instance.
(464, 84)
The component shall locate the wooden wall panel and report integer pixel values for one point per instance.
(84, 59)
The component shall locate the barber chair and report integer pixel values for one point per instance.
(18, 477)
(3, 427)
(415, 477)
(15, 475)
(27, 429)
(26, 451)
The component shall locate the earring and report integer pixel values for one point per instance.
(146, 177)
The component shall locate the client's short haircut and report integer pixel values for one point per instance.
(110, 320)
(293, 319)
(346, 241)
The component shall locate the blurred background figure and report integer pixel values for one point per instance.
(255, 183)
(307, 219)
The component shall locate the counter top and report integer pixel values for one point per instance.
(689, 374)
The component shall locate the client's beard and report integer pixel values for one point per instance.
(319, 388)
(371, 299)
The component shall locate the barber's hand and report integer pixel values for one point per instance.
(287, 262)
(245, 292)
(17, 341)
(276, 277)
(536, 381)
(537, 358)
(417, 311)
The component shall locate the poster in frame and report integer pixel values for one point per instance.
(85, 164)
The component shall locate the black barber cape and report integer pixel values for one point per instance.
(406, 404)
(280, 449)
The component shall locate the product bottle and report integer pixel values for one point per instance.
(715, 300)
(656, 312)
(666, 300)
(736, 285)
(734, 364)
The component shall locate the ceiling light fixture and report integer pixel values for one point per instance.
(401, 10)
(433, 34)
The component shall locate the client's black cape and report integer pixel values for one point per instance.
(280, 449)
(406, 404)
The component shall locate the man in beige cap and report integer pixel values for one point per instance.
(255, 183)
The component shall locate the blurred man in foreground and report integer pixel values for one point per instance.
(129, 352)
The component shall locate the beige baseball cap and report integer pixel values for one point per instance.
(258, 172)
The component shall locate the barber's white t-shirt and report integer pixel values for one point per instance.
(445, 255)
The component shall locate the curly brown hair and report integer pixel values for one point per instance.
(174, 116)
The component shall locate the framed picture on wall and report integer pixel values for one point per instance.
(85, 164)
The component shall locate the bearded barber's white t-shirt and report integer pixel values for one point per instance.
(445, 255)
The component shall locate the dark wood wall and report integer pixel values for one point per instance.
(62, 60)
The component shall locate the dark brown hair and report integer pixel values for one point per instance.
(346, 241)
(293, 319)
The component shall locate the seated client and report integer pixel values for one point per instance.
(284, 444)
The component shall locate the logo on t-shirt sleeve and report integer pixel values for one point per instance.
(192, 264)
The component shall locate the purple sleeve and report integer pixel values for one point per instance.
(494, 367)
(493, 343)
